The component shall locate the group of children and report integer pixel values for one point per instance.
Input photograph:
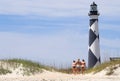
(78, 66)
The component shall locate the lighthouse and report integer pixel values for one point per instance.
(94, 48)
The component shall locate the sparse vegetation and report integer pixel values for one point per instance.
(103, 66)
(111, 71)
(4, 71)
(29, 67)
(63, 70)
(110, 64)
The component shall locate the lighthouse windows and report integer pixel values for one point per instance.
(93, 8)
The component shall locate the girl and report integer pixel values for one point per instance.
(74, 67)
(78, 66)
(83, 66)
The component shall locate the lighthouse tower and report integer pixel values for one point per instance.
(94, 49)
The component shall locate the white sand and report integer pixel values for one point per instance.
(55, 76)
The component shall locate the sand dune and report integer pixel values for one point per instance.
(17, 75)
(56, 76)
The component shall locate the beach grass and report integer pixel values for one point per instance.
(103, 66)
(110, 64)
(29, 67)
(4, 71)
(65, 70)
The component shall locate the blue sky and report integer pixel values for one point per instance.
(56, 31)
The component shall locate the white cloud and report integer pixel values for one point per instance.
(68, 44)
(57, 8)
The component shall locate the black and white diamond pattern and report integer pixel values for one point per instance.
(94, 50)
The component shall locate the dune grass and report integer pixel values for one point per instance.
(103, 66)
(4, 71)
(65, 70)
(28, 63)
(29, 67)
(110, 64)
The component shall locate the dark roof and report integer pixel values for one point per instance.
(93, 4)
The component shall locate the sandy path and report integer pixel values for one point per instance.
(55, 76)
